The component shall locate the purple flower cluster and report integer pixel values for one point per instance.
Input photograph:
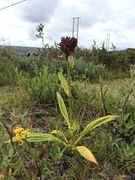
(67, 45)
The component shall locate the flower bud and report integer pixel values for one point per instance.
(67, 45)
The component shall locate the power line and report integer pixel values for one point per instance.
(12, 5)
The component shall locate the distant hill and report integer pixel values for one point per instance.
(21, 49)
(25, 49)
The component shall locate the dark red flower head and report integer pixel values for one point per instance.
(67, 45)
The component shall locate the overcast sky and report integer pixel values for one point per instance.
(97, 19)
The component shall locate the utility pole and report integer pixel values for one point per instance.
(108, 42)
(73, 28)
(78, 26)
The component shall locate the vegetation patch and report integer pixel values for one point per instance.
(66, 117)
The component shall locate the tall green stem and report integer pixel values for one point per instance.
(70, 95)
(70, 101)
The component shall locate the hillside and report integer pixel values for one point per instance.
(122, 54)
(21, 49)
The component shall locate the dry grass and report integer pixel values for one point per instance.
(110, 85)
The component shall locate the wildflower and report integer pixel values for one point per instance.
(25, 132)
(19, 138)
(21, 131)
(18, 130)
(2, 176)
(67, 45)
(10, 171)
(20, 134)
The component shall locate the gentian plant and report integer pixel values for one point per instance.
(71, 139)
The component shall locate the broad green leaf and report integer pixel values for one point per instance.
(75, 126)
(58, 156)
(10, 150)
(38, 137)
(32, 152)
(130, 124)
(64, 84)
(1, 113)
(126, 116)
(96, 123)
(92, 125)
(86, 153)
(63, 109)
(71, 61)
(59, 133)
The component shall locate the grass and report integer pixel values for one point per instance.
(28, 99)
(18, 110)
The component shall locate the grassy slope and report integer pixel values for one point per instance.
(9, 96)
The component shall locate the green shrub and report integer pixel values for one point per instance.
(8, 63)
(42, 87)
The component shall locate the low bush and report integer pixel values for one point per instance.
(8, 61)
(41, 88)
(32, 103)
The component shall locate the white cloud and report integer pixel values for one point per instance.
(97, 19)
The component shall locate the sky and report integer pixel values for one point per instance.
(108, 21)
